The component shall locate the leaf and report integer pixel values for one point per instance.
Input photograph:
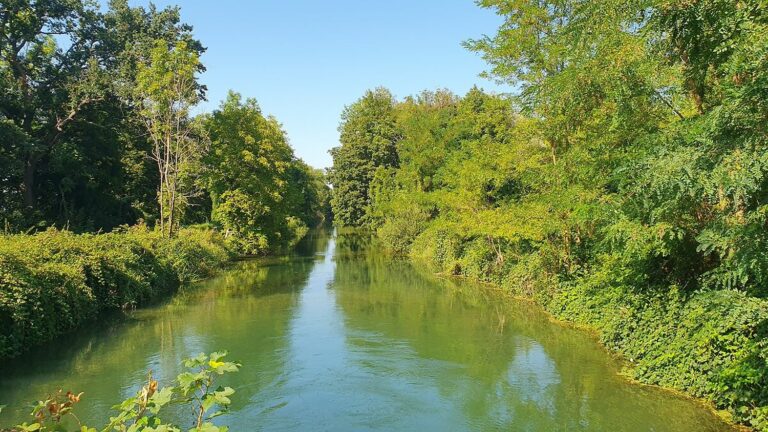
(221, 395)
(187, 381)
(225, 367)
(208, 402)
(160, 399)
(126, 405)
(216, 356)
(195, 361)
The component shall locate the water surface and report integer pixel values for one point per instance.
(339, 337)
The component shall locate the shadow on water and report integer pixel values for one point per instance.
(337, 336)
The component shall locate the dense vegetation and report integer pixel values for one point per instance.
(96, 132)
(624, 185)
(54, 281)
(96, 135)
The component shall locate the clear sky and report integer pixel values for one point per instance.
(304, 60)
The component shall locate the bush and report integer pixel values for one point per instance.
(194, 254)
(296, 228)
(399, 231)
(38, 301)
(52, 282)
(711, 344)
(440, 247)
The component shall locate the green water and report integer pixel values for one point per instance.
(341, 338)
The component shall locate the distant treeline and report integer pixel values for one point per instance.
(624, 184)
(96, 132)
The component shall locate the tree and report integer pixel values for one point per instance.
(166, 88)
(48, 86)
(77, 155)
(262, 195)
(590, 72)
(368, 136)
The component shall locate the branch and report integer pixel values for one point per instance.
(669, 104)
(61, 122)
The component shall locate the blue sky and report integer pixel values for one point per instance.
(304, 60)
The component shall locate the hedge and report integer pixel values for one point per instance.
(54, 281)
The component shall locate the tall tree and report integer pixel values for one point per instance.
(48, 86)
(166, 89)
(250, 168)
(368, 137)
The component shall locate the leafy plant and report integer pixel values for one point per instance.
(195, 389)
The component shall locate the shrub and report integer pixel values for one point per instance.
(297, 229)
(38, 301)
(440, 247)
(194, 253)
(399, 231)
(712, 344)
(53, 281)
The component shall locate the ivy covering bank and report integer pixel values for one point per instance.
(54, 281)
(711, 344)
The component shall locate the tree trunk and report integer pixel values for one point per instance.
(162, 207)
(28, 183)
(171, 220)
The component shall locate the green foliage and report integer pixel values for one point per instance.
(71, 149)
(401, 229)
(166, 89)
(710, 343)
(194, 253)
(263, 197)
(368, 136)
(52, 282)
(623, 185)
(195, 389)
(96, 132)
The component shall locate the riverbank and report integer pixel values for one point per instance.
(388, 344)
(711, 345)
(53, 282)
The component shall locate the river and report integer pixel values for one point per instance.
(339, 337)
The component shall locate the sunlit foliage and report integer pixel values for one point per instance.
(262, 195)
(368, 137)
(623, 183)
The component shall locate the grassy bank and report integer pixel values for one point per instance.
(711, 344)
(55, 281)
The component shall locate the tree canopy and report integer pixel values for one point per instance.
(259, 189)
(96, 131)
(367, 137)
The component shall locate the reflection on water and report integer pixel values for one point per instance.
(339, 337)
(533, 375)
